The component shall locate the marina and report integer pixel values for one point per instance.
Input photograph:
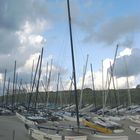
(38, 103)
(12, 126)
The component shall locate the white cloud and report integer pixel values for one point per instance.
(29, 35)
(1, 76)
(126, 51)
(29, 62)
(21, 27)
(121, 81)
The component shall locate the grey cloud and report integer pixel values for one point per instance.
(84, 19)
(116, 29)
(13, 15)
(8, 41)
(128, 42)
(128, 65)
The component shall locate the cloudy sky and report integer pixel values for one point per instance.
(98, 26)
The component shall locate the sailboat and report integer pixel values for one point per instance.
(105, 127)
(136, 129)
(58, 133)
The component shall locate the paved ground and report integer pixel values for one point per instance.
(10, 125)
(132, 135)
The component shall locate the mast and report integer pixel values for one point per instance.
(117, 91)
(112, 75)
(109, 79)
(56, 98)
(44, 89)
(4, 87)
(61, 95)
(103, 92)
(83, 80)
(19, 90)
(93, 86)
(16, 81)
(7, 92)
(32, 76)
(46, 78)
(30, 96)
(127, 81)
(73, 63)
(48, 84)
(13, 96)
(38, 82)
(70, 91)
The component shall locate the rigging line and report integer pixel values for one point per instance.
(127, 82)
(109, 82)
(62, 52)
(79, 48)
(115, 93)
(83, 82)
(38, 81)
(33, 84)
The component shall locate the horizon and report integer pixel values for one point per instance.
(97, 27)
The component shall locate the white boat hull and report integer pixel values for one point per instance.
(24, 120)
(135, 119)
(40, 135)
(73, 119)
(112, 118)
(103, 137)
(136, 129)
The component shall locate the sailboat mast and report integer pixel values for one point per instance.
(4, 88)
(7, 92)
(112, 75)
(38, 82)
(73, 63)
(127, 82)
(83, 80)
(103, 91)
(109, 79)
(13, 94)
(93, 86)
(32, 76)
(48, 84)
(33, 84)
(56, 98)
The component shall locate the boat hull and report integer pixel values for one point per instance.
(24, 120)
(40, 135)
(136, 129)
(103, 137)
(97, 127)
